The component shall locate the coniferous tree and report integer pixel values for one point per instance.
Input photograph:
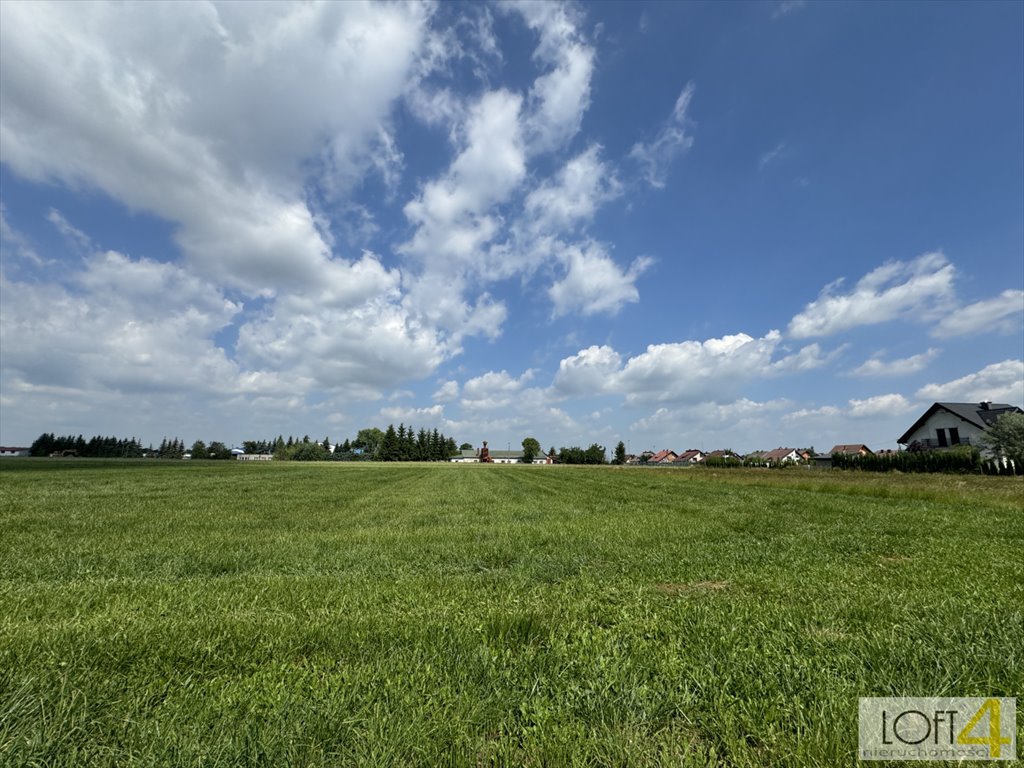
(410, 444)
(620, 453)
(388, 450)
(400, 436)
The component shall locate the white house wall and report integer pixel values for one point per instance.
(944, 420)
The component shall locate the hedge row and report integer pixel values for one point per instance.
(961, 460)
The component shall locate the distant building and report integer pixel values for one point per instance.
(851, 449)
(472, 456)
(781, 456)
(848, 449)
(725, 454)
(691, 456)
(253, 456)
(11, 451)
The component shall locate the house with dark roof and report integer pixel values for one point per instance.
(946, 425)
(691, 456)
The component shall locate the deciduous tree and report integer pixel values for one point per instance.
(530, 450)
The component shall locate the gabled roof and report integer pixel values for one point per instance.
(973, 413)
(724, 453)
(850, 448)
(688, 456)
(660, 456)
(778, 453)
(506, 454)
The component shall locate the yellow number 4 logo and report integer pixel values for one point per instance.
(995, 738)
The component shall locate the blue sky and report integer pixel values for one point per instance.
(680, 225)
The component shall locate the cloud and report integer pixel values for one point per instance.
(451, 214)
(786, 7)
(127, 326)
(479, 222)
(492, 390)
(685, 372)
(694, 371)
(573, 195)
(557, 99)
(354, 334)
(711, 424)
(184, 111)
(71, 233)
(428, 416)
(589, 371)
(823, 413)
(1001, 314)
(806, 359)
(447, 392)
(918, 289)
(655, 158)
(899, 367)
(778, 152)
(1000, 382)
(879, 406)
(593, 282)
(22, 246)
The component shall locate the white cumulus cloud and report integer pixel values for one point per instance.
(184, 110)
(879, 406)
(1000, 382)
(714, 370)
(593, 282)
(1001, 314)
(917, 289)
(905, 366)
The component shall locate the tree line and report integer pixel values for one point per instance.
(96, 447)
(595, 454)
(370, 444)
(404, 443)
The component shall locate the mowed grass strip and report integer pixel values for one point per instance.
(420, 615)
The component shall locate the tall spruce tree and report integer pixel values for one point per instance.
(388, 450)
(620, 453)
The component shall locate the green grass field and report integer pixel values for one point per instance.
(401, 615)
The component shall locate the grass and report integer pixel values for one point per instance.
(413, 615)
